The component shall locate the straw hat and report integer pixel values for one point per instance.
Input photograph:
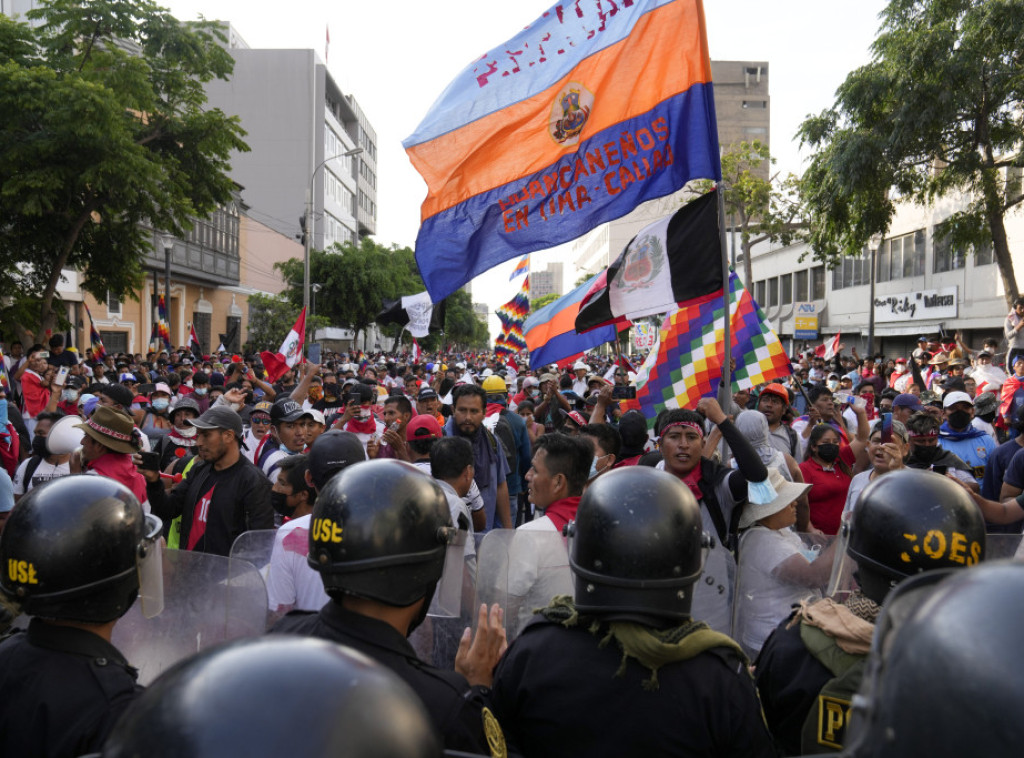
(777, 495)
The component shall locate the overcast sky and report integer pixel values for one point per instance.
(396, 56)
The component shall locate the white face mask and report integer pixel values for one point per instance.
(364, 413)
(189, 431)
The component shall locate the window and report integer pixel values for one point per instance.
(905, 256)
(852, 271)
(773, 292)
(818, 283)
(759, 292)
(786, 285)
(115, 342)
(1014, 182)
(800, 286)
(882, 263)
(983, 254)
(113, 305)
(946, 257)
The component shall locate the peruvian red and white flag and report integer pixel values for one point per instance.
(828, 350)
(288, 354)
(511, 363)
(416, 352)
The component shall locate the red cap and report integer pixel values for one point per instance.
(423, 427)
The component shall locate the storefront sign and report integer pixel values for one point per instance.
(805, 321)
(922, 304)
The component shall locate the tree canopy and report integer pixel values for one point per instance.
(105, 136)
(356, 280)
(937, 111)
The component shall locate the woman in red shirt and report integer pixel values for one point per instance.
(830, 476)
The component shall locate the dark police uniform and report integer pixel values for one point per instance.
(63, 690)
(557, 693)
(807, 683)
(458, 710)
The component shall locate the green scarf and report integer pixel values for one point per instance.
(652, 648)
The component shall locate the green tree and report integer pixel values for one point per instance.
(540, 302)
(354, 281)
(760, 208)
(937, 112)
(104, 132)
(462, 327)
(270, 319)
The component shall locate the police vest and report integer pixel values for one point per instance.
(825, 727)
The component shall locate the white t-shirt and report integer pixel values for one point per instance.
(290, 580)
(763, 598)
(538, 567)
(44, 472)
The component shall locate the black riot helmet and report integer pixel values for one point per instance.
(73, 549)
(946, 664)
(276, 696)
(636, 545)
(380, 530)
(910, 521)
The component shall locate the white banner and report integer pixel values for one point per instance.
(920, 304)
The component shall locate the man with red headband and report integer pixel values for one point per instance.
(721, 493)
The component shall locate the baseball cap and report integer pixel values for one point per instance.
(317, 416)
(423, 427)
(331, 452)
(907, 400)
(922, 338)
(776, 389)
(575, 416)
(547, 378)
(427, 393)
(127, 377)
(286, 411)
(952, 398)
(263, 406)
(219, 417)
(162, 387)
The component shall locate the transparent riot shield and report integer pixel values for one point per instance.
(714, 591)
(255, 547)
(1004, 546)
(522, 571)
(207, 599)
(436, 640)
(777, 569)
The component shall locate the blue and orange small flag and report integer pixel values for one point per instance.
(523, 267)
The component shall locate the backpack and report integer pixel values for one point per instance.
(792, 439)
(30, 469)
(502, 429)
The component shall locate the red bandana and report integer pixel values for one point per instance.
(692, 480)
(561, 512)
(369, 426)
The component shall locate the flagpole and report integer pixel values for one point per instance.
(725, 386)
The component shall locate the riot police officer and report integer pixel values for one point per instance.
(379, 536)
(904, 523)
(72, 554)
(946, 668)
(272, 697)
(622, 668)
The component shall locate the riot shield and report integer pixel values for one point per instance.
(1004, 546)
(436, 640)
(522, 570)
(777, 569)
(255, 547)
(713, 593)
(208, 599)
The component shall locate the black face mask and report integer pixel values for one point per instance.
(926, 453)
(828, 452)
(959, 419)
(39, 447)
(279, 502)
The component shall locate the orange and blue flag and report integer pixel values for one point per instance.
(591, 110)
(551, 332)
(523, 267)
(95, 341)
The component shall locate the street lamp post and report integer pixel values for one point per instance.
(309, 226)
